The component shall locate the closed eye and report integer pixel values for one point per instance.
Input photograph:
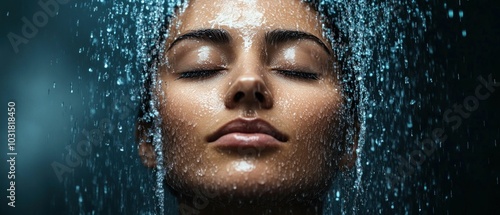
(298, 74)
(198, 74)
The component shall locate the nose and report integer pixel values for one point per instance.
(249, 90)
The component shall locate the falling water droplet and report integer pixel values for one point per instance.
(119, 81)
(121, 148)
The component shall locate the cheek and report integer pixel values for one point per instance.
(186, 107)
(314, 119)
(316, 106)
(186, 113)
(192, 102)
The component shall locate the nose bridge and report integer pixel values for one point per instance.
(249, 87)
(249, 64)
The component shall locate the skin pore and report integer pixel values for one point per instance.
(262, 64)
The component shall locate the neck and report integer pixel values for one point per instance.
(204, 206)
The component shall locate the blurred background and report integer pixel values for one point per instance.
(68, 97)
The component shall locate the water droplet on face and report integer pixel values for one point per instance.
(243, 166)
(200, 172)
(250, 113)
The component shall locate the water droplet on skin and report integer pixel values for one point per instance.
(200, 172)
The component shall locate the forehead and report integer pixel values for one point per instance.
(246, 16)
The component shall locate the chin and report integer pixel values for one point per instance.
(254, 182)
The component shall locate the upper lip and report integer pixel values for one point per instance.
(248, 126)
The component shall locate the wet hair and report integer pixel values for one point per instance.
(332, 33)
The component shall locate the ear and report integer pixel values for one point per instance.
(348, 159)
(146, 148)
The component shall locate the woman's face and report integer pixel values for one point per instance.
(249, 99)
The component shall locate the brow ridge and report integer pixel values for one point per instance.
(281, 36)
(217, 36)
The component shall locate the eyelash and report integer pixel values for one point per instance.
(299, 75)
(201, 74)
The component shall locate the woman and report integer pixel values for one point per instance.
(255, 114)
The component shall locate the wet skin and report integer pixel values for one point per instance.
(250, 102)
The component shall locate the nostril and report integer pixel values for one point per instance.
(238, 96)
(259, 97)
(248, 94)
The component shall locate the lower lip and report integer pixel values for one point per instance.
(247, 140)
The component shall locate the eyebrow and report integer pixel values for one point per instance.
(219, 36)
(282, 36)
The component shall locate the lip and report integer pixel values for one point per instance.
(247, 133)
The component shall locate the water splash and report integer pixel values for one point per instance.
(372, 41)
